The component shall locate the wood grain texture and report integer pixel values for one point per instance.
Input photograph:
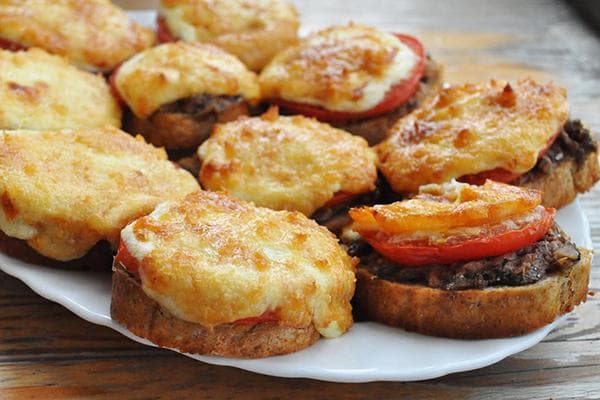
(46, 352)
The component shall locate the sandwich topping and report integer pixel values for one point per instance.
(287, 163)
(43, 91)
(93, 34)
(175, 71)
(64, 191)
(253, 30)
(213, 260)
(458, 236)
(345, 72)
(498, 130)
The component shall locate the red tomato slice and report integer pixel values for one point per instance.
(9, 45)
(113, 86)
(496, 240)
(501, 174)
(338, 198)
(163, 33)
(267, 316)
(127, 259)
(396, 96)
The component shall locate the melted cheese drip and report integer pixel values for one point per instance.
(343, 68)
(43, 91)
(174, 71)
(467, 129)
(69, 189)
(286, 163)
(214, 260)
(253, 30)
(93, 34)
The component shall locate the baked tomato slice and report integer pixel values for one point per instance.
(127, 259)
(112, 83)
(163, 33)
(10, 45)
(397, 95)
(490, 241)
(267, 316)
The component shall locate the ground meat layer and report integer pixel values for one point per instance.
(574, 142)
(184, 124)
(525, 266)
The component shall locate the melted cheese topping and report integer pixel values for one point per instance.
(215, 260)
(286, 163)
(175, 71)
(253, 30)
(93, 34)
(63, 191)
(469, 129)
(342, 68)
(43, 91)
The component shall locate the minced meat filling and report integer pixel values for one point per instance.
(573, 142)
(202, 105)
(525, 266)
(336, 218)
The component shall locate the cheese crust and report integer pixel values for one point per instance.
(93, 34)
(63, 191)
(43, 91)
(286, 163)
(253, 30)
(211, 260)
(467, 129)
(174, 71)
(341, 68)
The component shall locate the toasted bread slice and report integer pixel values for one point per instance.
(98, 259)
(473, 313)
(144, 317)
(560, 187)
(375, 129)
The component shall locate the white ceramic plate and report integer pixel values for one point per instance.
(368, 352)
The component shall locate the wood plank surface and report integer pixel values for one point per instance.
(46, 352)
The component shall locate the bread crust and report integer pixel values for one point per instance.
(144, 317)
(560, 187)
(375, 129)
(474, 313)
(177, 130)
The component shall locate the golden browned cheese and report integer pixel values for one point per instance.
(93, 34)
(468, 129)
(174, 71)
(286, 163)
(253, 30)
(43, 91)
(341, 68)
(437, 209)
(210, 259)
(63, 191)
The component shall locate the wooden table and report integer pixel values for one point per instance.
(46, 352)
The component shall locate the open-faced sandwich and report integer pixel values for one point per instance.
(43, 91)
(517, 133)
(65, 192)
(466, 261)
(175, 92)
(354, 77)
(213, 275)
(290, 163)
(253, 30)
(94, 35)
